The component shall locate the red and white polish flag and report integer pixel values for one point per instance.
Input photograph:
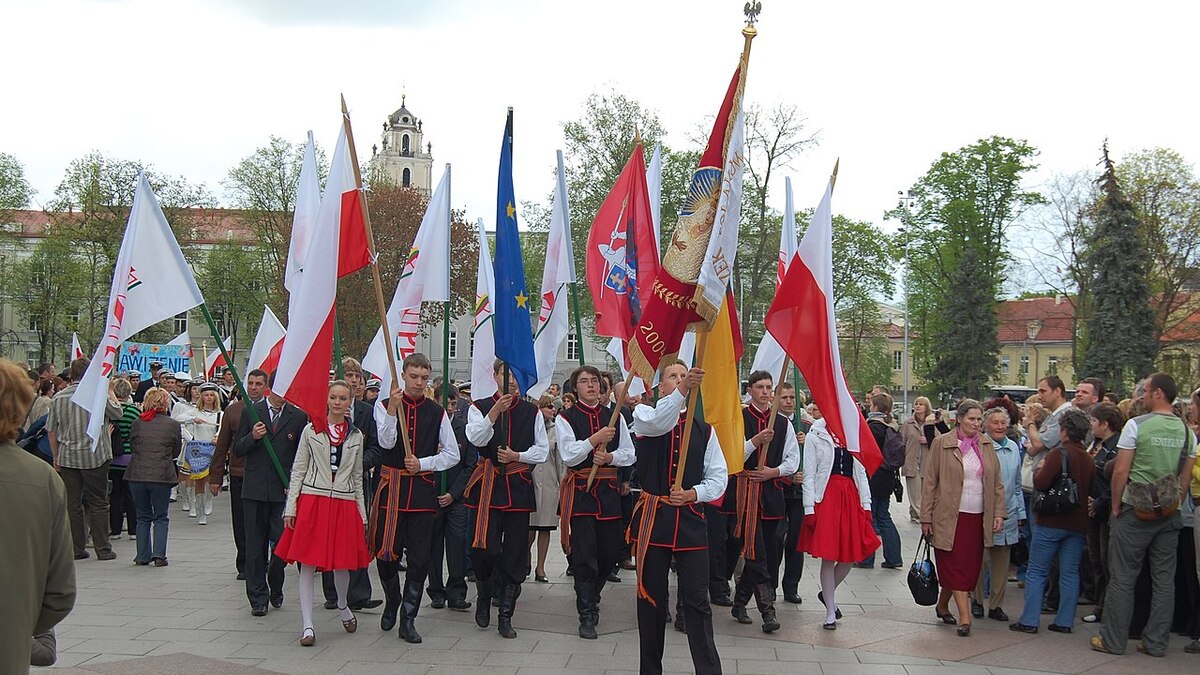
(268, 343)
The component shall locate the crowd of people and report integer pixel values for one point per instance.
(1081, 501)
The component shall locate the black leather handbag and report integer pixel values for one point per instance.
(1062, 496)
(922, 577)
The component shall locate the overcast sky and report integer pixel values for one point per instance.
(192, 86)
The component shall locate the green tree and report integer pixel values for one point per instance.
(48, 289)
(234, 281)
(964, 207)
(1121, 259)
(263, 185)
(15, 192)
(967, 344)
(1165, 194)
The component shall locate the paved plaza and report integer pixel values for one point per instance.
(192, 617)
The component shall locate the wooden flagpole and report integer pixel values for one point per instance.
(612, 424)
(387, 331)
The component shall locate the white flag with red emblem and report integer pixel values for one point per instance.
(268, 343)
(553, 323)
(425, 278)
(151, 282)
(770, 355)
(304, 218)
(483, 337)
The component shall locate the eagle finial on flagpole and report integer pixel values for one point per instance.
(752, 10)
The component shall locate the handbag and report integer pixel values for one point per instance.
(1157, 500)
(1018, 554)
(1062, 496)
(922, 577)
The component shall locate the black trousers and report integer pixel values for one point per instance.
(723, 550)
(360, 586)
(507, 553)
(595, 547)
(236, 510)
(692, 569)
(449, 546)
(120, 503)
(264, 527)
(793, 560)
(767, 548)
(414, 540)
(627, 502)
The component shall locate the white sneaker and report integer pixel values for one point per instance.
(1091, 618)
(203, 520)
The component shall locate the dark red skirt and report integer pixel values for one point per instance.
(839, 529)
(958, 569)
(329, 535)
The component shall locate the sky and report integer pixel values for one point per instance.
(193, 86)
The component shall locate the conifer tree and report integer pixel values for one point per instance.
(1121, 347)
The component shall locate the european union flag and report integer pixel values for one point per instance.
(514, 331)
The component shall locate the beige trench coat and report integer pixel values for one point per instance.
(941, 490)
(546, 479)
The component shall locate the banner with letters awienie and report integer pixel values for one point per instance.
(139, 355)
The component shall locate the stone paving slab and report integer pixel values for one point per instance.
(192, 617)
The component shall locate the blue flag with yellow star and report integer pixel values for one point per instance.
(514, 331)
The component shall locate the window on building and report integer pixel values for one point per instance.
(898, 360)
(35, 322)
(406, 178)
(75, 315)
(405, 145)
(1024, 364)
(572, 347)
(181, 323)
(31, 357)
(1005, 365)
(1052, 365)
(472, 346)
(453, 344)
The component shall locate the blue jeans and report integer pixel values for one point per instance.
(152, 501)
(1048, 542)
(1026, 532)
(881, 520)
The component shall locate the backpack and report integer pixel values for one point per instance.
(893, 449)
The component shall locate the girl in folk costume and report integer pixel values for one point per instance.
(837, 509)
(200, 424)
(325, 516)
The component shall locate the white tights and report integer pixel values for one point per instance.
(832, 575)
(341, 581)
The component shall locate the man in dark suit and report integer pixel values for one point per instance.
(360, 416)
(145, 385)
(264, 492)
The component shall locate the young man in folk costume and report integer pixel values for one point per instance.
(510, 436)
(590, 518)
(405, 502)
(761, 508)
(669, 522)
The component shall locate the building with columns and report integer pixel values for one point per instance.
(403, 156)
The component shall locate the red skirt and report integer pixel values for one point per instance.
(958, 569)
(329, 535)
(839, 529)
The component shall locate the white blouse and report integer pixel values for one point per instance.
(972, 490)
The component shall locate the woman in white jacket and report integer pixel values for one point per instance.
(837, 509)
(200, 425)
(325, 516)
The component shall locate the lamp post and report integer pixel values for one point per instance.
(906, 202)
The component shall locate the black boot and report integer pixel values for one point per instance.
(508, 603)
(408, 613)
(483, 603)
(585, 599)
(391, 595)
(679, 623)
(741, 596)
(498, 585)
(596, 601)
(763, 597)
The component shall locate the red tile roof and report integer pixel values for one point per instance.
(209, 225)
(1053, 317)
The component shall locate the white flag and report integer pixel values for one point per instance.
(308, 205)
(553, 321)
(718, 262)
(425, 278)
(181, 340)
(76, 350)
(770, 355)
(151, 282)
(268, 343)
(216, 359)
(483, 353)
(654, 192)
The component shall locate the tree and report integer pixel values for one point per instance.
(396, 214)
(964, 206)
(774, 138)
(15, 192)
(48, 286)
(966, 344)
(234, 282)
(263, 185)
(91, 208)
(1122, 350)
(1165, 195)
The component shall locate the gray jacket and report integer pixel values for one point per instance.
(155, 446)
